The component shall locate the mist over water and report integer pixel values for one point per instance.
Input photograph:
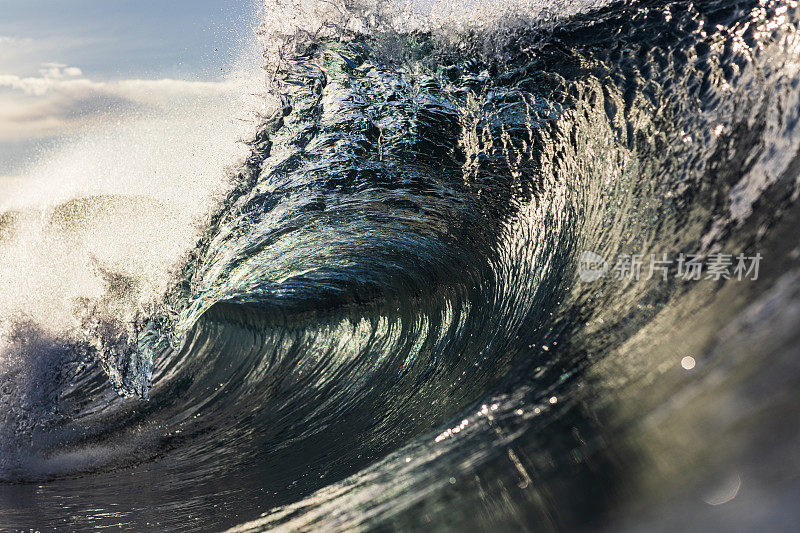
(96, 229)
(346, 288)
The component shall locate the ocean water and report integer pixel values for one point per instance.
(431, 265)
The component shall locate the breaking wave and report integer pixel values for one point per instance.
(375, 312)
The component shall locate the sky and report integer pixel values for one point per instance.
(65, 63)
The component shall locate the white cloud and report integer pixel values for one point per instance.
(24, 55)
(59, 70)
(8, 40)
(60, 100)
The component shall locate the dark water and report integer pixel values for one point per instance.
(385, 324)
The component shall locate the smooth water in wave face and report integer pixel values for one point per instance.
(445, 283)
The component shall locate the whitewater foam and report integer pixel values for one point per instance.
(90, 235)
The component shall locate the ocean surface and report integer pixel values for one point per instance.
(461, 266)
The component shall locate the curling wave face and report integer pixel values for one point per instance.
(384, 321)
